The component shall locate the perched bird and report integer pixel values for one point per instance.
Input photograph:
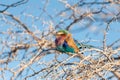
(65, 43)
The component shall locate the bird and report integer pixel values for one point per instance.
(65, 43)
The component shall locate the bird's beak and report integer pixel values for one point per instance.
(57, 34)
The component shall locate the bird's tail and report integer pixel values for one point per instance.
(83, 46)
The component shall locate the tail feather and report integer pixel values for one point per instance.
(83, 46)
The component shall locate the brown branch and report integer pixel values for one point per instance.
(117, 74)
(82, 17)
(12, 5)
(22, 24)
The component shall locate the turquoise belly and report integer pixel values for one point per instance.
(66, 49)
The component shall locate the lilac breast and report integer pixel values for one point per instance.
(59, 41)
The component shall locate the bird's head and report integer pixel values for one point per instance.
(62, 33)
